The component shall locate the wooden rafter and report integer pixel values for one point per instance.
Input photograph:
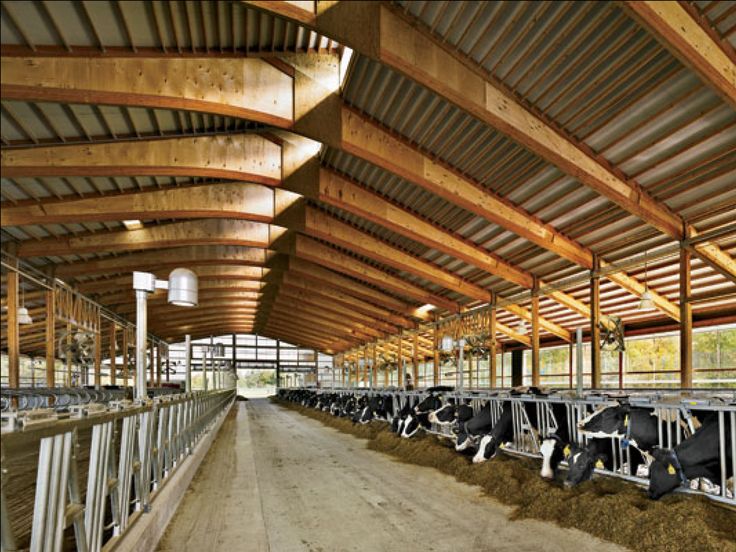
(234, 200)
(197, 232)
(248, 157)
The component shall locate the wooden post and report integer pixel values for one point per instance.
(374, 367)
(436, 359)
(113, 355)
(98, 352)
(415, 361)
(492, 364)
(13, 330)
(686, 321)
(50, 337)
(168, 363)
(535, 334)
(400, 362)
(595, 331)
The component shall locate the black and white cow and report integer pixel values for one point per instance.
(419, 415)
(696, 457)
(469, 432)
(556, 445)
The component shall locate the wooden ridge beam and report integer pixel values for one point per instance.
(234, 200)
(286, 305)
(320, 225)
(311, 319)
(322, 276)
(321, 301)
(689, 40)
(195, 232)
(384, 35)
(157, 299)
(316, 252)
(245, 88)
(103, 290)
(327, 293)
(329, 187)
(207, 262)
(248, 157)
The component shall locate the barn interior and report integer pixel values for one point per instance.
(355, 208)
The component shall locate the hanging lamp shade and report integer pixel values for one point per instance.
(23, 316)
(646, 300)
(183, 288)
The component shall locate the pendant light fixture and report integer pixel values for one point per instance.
(646, 297)
(23, 316)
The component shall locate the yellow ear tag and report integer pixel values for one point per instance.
(566, 451)
(599, 464)
(626, 420)
(671, 469)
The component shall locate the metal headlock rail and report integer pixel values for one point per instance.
(669, 407)
(96, 466)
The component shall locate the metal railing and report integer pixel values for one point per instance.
(674, 415)
(94, 468)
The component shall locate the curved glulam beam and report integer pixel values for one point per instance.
(197, 232)
(246, 88)
(318, 253)
(235, 261)
(105, 288)
(235, 200)
(248, 157)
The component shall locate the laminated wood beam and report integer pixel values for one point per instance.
(237, 275)
(387, 36)
(320, 225)
(314, 320)
(248, 157)
(246, 88)
(234, 200)
(168, 310)
(157, 299)
(689, 40)
(196, 232)
(114, 286)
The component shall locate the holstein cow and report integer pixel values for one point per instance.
(556, 445)
(697, 456)
(469, 432)
(419, 415)
(503, 430)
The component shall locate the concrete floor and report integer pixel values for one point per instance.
(276, 480)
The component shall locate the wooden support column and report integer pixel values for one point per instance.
(98, 352)
(50, 338)
(68, 375)
(168, 365)
(436, 360)
(492, 365)
(113, 354)
(570, 365)
(415, 361)
(686, 321)
(595, 332)
(535, 334)
(13, 330)
(374, 366)
(400, 362)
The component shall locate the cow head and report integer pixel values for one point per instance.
(428, 404)
(464, 441)
(553, 451)
(581, 463)
(486, 449)
(665, 473)
(605, 422)
(443, 416)
(411, 426)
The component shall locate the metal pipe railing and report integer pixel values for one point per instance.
(96, 466)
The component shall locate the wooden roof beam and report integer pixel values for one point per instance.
(249, 157)
(246, 88)
(234, 200)
(230, 262)
(195, 232)
(320, 225)
(679, 30)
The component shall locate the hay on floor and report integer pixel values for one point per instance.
(611, 509)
